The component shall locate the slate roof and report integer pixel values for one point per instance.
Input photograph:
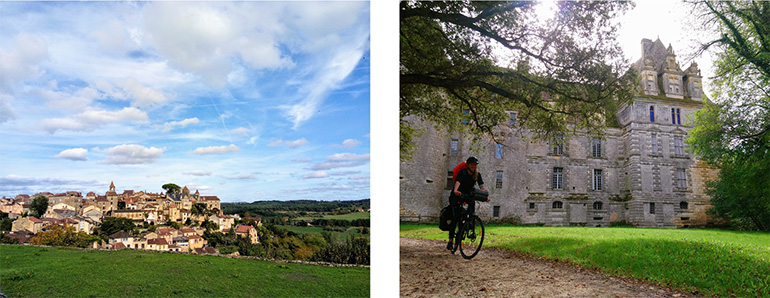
(121, 234)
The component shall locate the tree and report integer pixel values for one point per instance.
(39, 205)
(466, 62)
(171, 189)
(112, 225)
(60, 236)
(733, 133)
(198, 208)
(121, 205)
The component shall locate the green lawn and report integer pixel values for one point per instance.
(709, 262)
(27, 271)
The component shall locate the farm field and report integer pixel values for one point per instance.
(27, 271)
(704, 262)
(347, 216)
(354, 231)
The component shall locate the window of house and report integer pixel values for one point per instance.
(557, 178)
(597, 179)
(557, 205)
(596, 147)
(598, 205)
(531, 205)
(453, 146)
(512, 121)
(683, 205)
(557, 145)
(673, 116)
(678, 120)
(499, 179)
(652, 114)
(499, 150)
(654, 142)
(678, 146)
(681, 178)
(449, 179)
(496, 211)
(652, 208)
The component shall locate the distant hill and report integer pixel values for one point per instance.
(274, 208)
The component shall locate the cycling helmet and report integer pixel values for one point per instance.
(472, 160)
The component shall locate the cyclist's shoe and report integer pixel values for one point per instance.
(449, 245)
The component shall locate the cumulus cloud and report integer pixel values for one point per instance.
(168, 126)
(78, 154)
(245, 177)
(64, 100)
(92, 119)
(290, 144)
(132, 154)
(317, 174)
(198, 173)
(342, 160)
(216, 149)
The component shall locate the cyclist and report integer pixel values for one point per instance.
(463, 187)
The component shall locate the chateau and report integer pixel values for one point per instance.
(637, 173)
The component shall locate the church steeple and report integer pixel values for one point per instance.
(112, 186)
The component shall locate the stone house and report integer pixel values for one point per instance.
(29, 223)
(637, 172)
(248, 232)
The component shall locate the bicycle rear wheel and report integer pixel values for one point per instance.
(472, 237)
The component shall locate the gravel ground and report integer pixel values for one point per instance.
(428, 269)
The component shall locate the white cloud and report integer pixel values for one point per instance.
(314, 175)
(350, 143)
(241, 131)
(290, 144)
(342, 160)
(168, 126)
(252, 140)
(21, 62)
(142, 96)
(72, 101)
(245, 177)
(198, 173)
(216, 149)
(92, 119)
(6, 111)
(306, 159)
(132, 154)
(74, 154)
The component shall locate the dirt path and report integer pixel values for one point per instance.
(429, 270)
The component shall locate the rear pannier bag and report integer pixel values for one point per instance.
(445, 218)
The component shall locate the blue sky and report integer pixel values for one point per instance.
(243, 100)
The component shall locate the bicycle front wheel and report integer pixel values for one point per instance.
(472, 237)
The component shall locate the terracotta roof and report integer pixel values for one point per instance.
(194, 237)
(119, 245)
(34, 219)
(157, 241)
(188, 230)
(243, 229)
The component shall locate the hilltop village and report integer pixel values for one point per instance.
(144, 209)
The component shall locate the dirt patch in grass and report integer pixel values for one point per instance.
(428, 269)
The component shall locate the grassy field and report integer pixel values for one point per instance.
(709, 262)
(59, 272)
(309, 230)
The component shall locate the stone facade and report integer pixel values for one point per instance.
(637, 173)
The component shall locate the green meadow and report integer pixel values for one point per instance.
(342, 236)
(27, 271)
(704, 262)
